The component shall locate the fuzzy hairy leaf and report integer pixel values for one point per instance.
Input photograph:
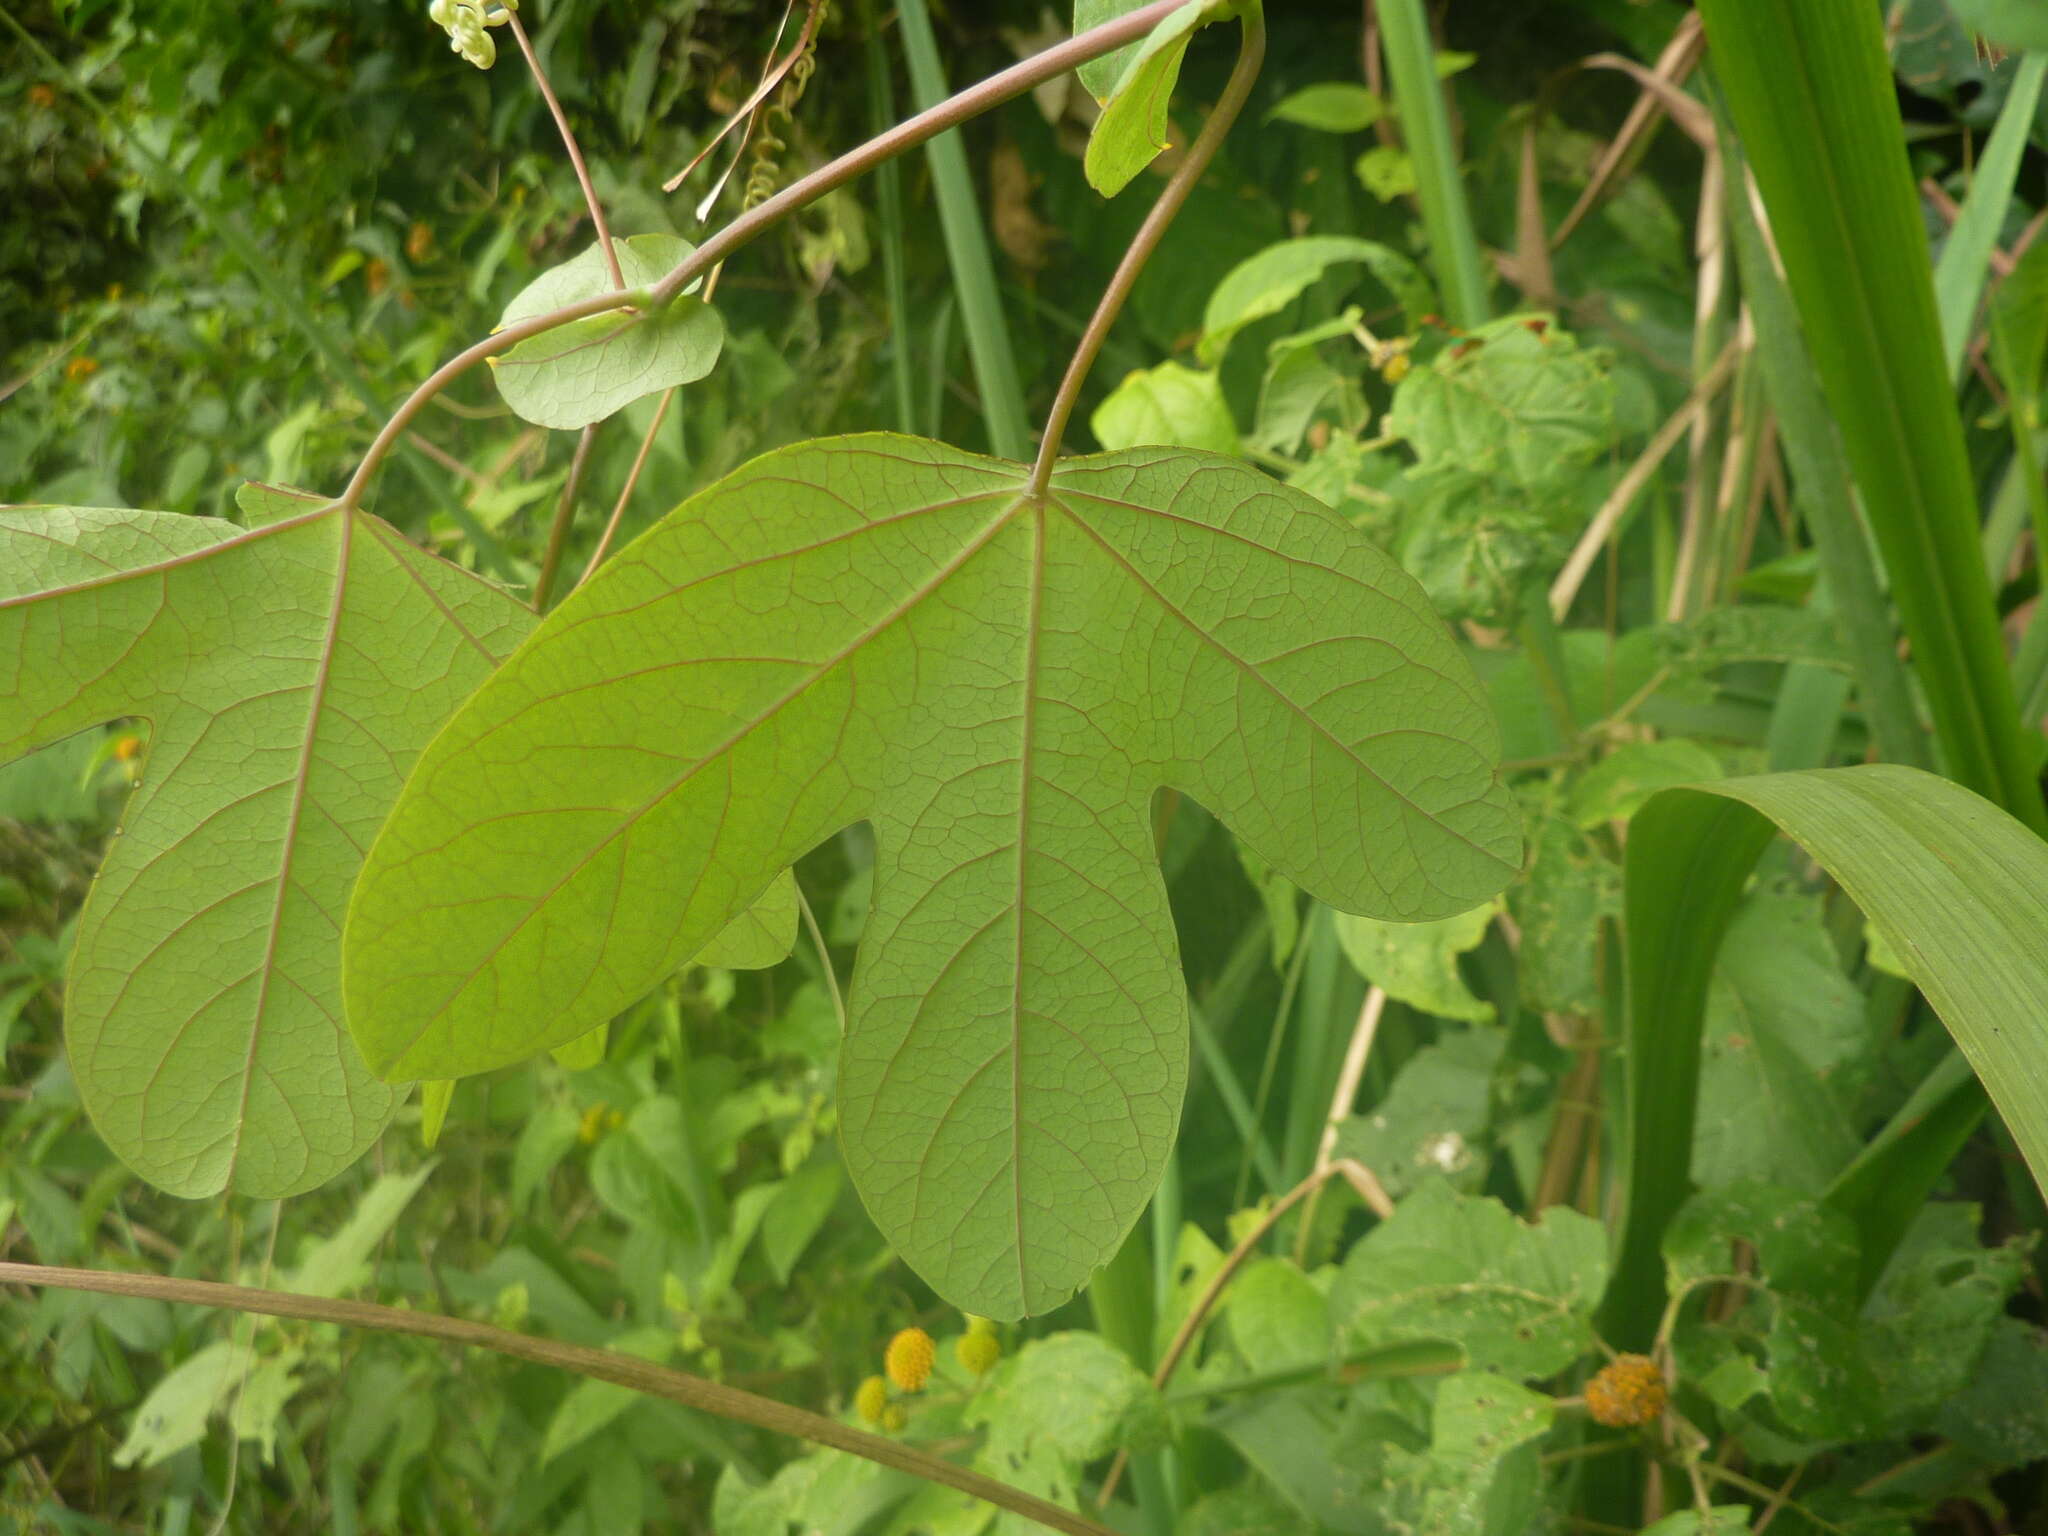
(289, 674)
(885, 629)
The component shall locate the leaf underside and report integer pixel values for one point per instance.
(289, 674)
(881, 628)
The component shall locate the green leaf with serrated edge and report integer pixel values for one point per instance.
(1056, 1405)
(1527, 409)
(1799, 1307)
(1783, 1026)
(1516, 1298)
(289, 673)
(1133, 127)
(1169, 405)
(1267, 283)
(884, 629)
(584, 371)
(1335, 106)
(1417, 963)
(1433, 1117)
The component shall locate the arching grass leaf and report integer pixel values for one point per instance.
(289, 674)
(1958, 887)
(584, 371)
(881, 628)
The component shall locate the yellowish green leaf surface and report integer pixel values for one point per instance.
(584, 371)
(288, 673)
(1133, 128)
(885, 629)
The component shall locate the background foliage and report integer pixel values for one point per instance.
(238, 235)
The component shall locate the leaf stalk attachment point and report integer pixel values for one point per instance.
(1250, 54)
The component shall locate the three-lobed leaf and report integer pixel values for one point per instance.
(289, 674)
(582, 372)
(885, 629)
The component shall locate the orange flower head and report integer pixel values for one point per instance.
(1628, 1390)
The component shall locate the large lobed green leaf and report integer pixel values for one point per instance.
(289, 674)
(885, 629)
(1957, 887)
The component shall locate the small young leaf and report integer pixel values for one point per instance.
(290, 673)
(1386, 172)
(884, 629)
(584, 371)
(1335, 106)
(1619, 785)
(336, 1263)
(1267, 283)
(1417, 963)
(1133, 127)
(1169, 405)
(174, 1414)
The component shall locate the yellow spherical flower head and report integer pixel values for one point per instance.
(872, 1400)
(1627, 1391)
(909, 1359)
(894, 1418)
(978, 1349)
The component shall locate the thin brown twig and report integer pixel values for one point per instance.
(1363, 1033)
(565, 515)
(611, 527)
(601, 1365)
(547, 91)
(950, 113)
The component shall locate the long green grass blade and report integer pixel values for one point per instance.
(1426, 130)
(1810, 89)
(1820, 474)
(974, 273)
(1966, 260)
(1959, 887)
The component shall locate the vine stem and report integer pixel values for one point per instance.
(565, 515)
(611, 527)
(906, 135)
(547, 93)
(1250, 53)
(601, 1365)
